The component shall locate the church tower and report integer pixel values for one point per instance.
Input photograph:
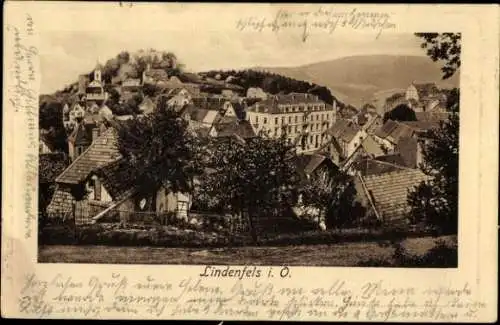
(98, 72)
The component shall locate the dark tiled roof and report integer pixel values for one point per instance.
(309, 163)
(407, 148)
(370, 166)
(102, 151)
(426, 89)
(209, 102)
(371, 147)
(422, 125)
(343, 129)
(393, 131)
(82, 134)
(117, 178)
(389, 192)
(242, 129)
(432, 117)
(157, 74)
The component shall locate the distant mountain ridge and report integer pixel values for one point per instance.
(358, 80)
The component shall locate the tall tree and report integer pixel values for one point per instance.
(401, 113)
(435, 201)
(443, 47)
(253, 178)
(161, 151)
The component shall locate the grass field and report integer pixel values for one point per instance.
(347, 254)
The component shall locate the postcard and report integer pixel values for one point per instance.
(237, 161)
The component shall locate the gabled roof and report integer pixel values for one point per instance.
(44, 137)
(82, 134)
(371, 147)
(432, 116)
(307, 164)
(389, 192)
(343, 130)
(116, 177)
(102, 151)
(394, 130)
(242, 129)
(157, 74)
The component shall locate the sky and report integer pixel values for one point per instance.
(202, 37)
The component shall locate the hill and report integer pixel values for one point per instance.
(357, 80)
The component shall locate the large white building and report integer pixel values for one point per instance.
(302, 118)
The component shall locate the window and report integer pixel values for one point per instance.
(289, 129)
(296, 119)
(295, 128)
(265, 120)
(256, 120)
(289, 119)
(275, 120)
(97, 190)
(282, 120)
(317, 117)
(275, 131)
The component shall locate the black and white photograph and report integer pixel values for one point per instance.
(207, 150)
(250, 161)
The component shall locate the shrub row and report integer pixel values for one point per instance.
(170, 236)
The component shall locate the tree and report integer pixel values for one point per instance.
(330, 192)
(445, 47)
(435, 202)
(255, 177)
(160, 151)
(401, 113)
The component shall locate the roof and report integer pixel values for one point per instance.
(344, 130)
(82, 134)
(239, 109)
(371, 146)
(209, 102)
(432, 116)
(270, 105)
(308, 163)
(422, 125)
(203, 115)
(44, 137)
(394, 130)
(389, 191)
(116, 177)
(102, 151)
(426, 89)
(147, 106)
(372, 166)
(157, 74)
(242, 129)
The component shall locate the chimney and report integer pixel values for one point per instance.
(95, 133)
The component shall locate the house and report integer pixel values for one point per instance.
(312, 168)
(374, 123)
(389, 134)
(154, 76)
(344, 138)
(178, 97)
(369, 148)
(420, 91)
(100, 183)
(302, 117)
(256, 92)
(95, 89)
(74, 115)
(242, 130)
(378, 165)
(385, 195)
(147, 106)
(81, 138)
(45, 146)
(131, 85)
(201, 118)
